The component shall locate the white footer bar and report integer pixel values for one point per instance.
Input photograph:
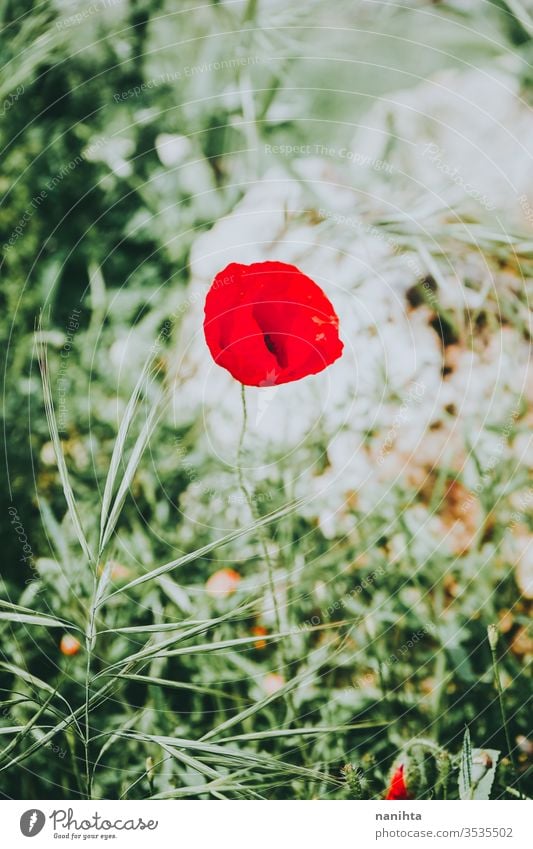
(270, 825)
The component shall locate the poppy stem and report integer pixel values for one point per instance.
(249, 500)
(241, 437)
(263, 539)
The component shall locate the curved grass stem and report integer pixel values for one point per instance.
(249, 500)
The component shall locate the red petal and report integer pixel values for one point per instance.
(267, 323)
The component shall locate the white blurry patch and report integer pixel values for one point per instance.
(523, 449)
(249, 233)
(172, 149)
(114, 152)
(519, 551)
(464, 138)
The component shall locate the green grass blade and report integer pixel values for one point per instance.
(62, 725)
(118, 448)
(181, 685)
(465, 768)
(209, 547)
(153, 629)
(316, 662)
(37, 619)
(301, 732)
(149, 650)
(125, 484)
(60, 458)
(234, 756)
(17, 608)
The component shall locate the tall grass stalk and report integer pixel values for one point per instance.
(493, 643)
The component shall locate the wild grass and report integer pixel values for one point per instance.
(339, 653)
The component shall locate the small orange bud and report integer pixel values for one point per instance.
(69, 645)
(259, 631)
(222, 583)
(272, 683)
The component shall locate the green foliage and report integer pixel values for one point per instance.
(382, 639)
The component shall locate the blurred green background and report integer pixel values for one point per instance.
(129, 130)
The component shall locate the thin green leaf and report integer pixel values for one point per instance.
(154, 629)
(302, 732)
(18, 608)
(206, 549)
(32, 680)
(25, 729)
(37, 619)
(465, 768)
(315, 663)
(118, 448)
(60, 459)
(55, 532)
(233, 756)
(112, 739)
(210, 789)
(131, 468)
(154, 651)
(204, 648)
(205, 770)
(65, 723)
(102, 584)
(154, 648)
(181, 685)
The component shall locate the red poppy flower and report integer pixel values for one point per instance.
(268, 323)
(398, 787)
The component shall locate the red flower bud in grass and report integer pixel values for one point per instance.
(69, 645)
(268, 323)
(398, 786)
